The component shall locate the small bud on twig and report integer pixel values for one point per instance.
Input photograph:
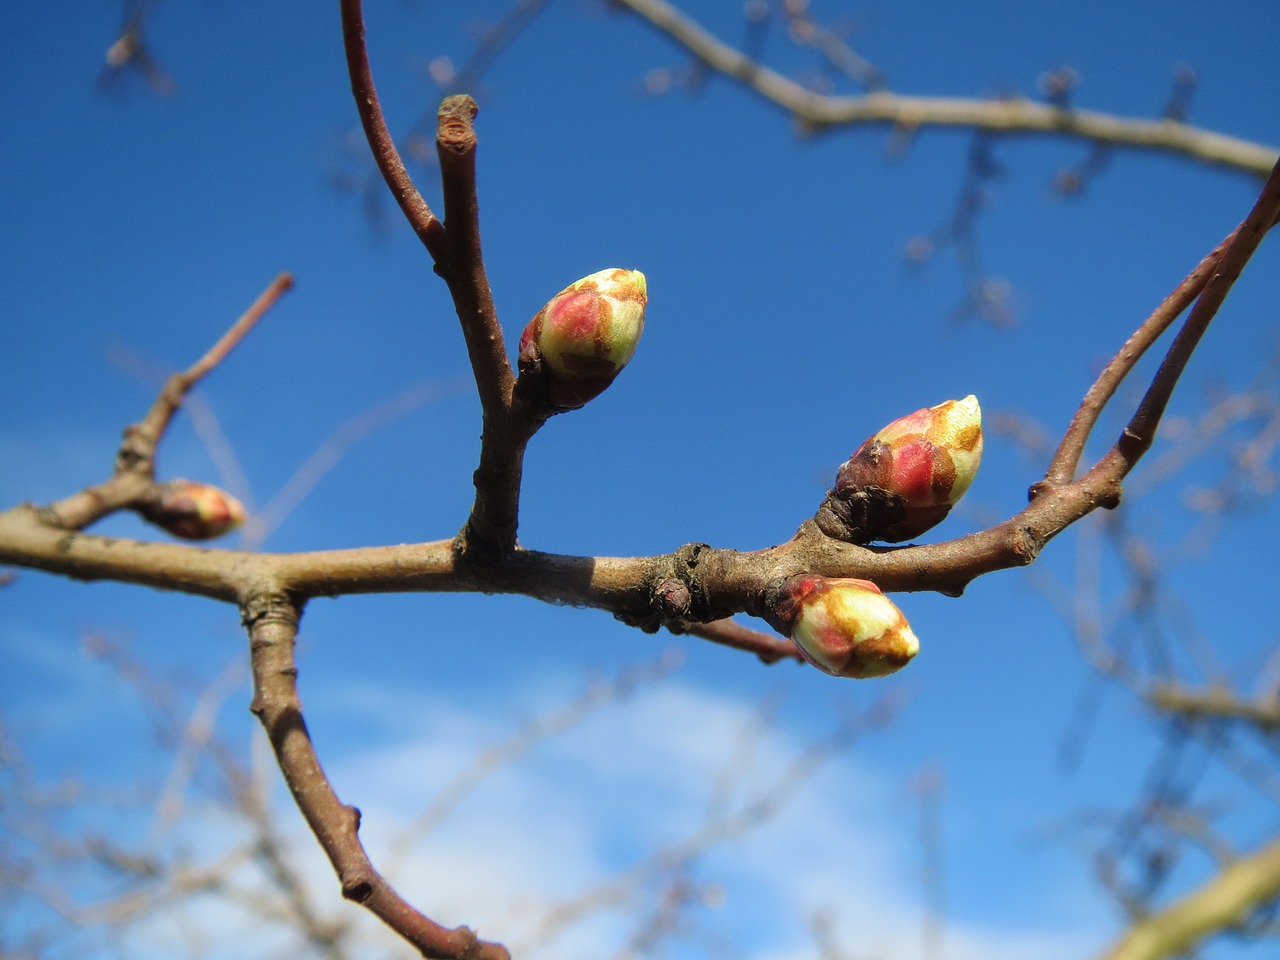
(906, 478)
(844, 627)
(193, 511)
(576, 344)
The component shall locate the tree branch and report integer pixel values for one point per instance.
(135, 461)
(489, 534)
(1066, 459)
(1141, 430)
(1227, 900)
(769, 647)
(465, 272)
(272, 621)
(424, 223)
(1213, 703)
(906, 113)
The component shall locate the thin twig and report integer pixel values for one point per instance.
(769, 647)
(1067, 457)
(465, 272)
(1213, 703)
(424, 223)
(1140, 432)
(135, 461)
(485, 763)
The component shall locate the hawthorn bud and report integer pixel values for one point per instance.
(844, 627)
(576, 344)
(906, 478)
(194, 511)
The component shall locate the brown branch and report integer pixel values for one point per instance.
(135, 461)
(454, 245)
(424, 223)
(272, 622)
(1066, 459)
(1225, 901)
(490, 531)
(465, 273)
(489, 535)
(725, 582)
(769, 647)
(816, 111)
(1140, 432)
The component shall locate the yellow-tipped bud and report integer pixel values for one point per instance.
(576, 344)
(194, 511)
(906, 478)
(844, 627)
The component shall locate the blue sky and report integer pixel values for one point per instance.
(784, 326)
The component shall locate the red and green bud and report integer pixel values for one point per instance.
(844, 627)
(193, 511)
(575, 345)
(906, 478)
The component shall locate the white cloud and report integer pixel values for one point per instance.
(638, 776)
(578, 810)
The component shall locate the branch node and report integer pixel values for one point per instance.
(358, 890)
(455, 129)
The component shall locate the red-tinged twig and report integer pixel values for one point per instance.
(489, 535)
(138, 450)
(424, 223)
(272, 623)
(769, 647)
(134, 474)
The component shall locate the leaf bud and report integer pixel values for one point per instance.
(844, 627)
(906, 478)
(576, 344)
(193, 511)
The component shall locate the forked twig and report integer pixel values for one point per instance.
(135, 461)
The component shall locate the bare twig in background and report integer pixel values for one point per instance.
(489, 761)
(817, 112)
(134, 473)
(131, 53)
(665, 871)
